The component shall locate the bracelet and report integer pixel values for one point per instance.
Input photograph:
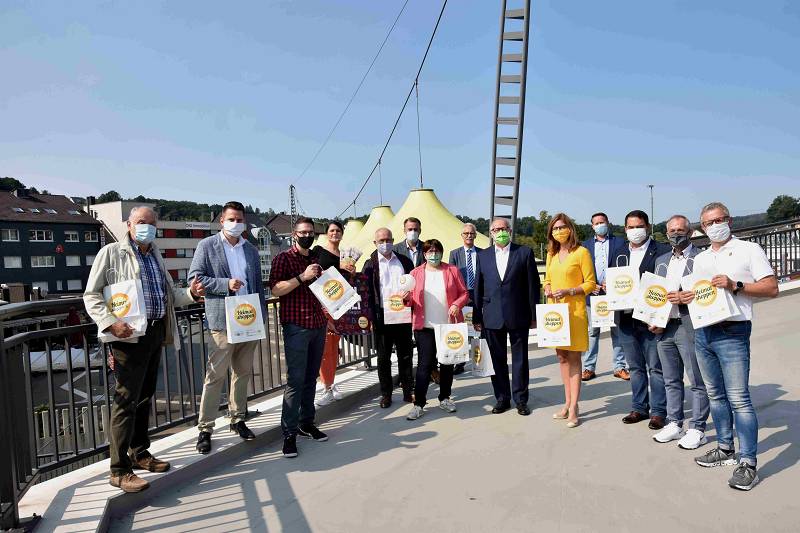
(299, 281)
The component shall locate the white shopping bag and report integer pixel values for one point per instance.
(711, 304)
(452, 343)
(482, 366)
(600, 315)
(552, 325)
(622, 284)
(125, 300)
(395, 310)
(467, 310)
(652, 306)
(243, 319)
(334, 293)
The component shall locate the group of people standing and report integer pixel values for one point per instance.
(501, 283)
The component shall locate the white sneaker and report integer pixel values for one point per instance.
(415, 412)
(670, 432)
(337, 394)
(325, 399)
(693, 439)
(447, 405)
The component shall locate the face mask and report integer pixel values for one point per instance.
(305, 242)
(678, 241)
(637, 235)
(384, 248)
(601, 229)
(502, 238)
(412, 236)
(145, 233)
(719, 232)
(434, 259)
(562, 236)
(234, 229)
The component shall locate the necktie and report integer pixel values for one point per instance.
(470, 273)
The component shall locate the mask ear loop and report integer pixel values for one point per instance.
(666, 269)
(627, 261)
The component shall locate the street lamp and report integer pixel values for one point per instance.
(652, 216)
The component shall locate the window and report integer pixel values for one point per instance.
(89, 260)
(73, 260)
(180, 252)
(73, 212)
(189, 252)
(90, 236)
(17, 209)
(45, 235)
(59, 285)
(43, 261)
(34, 210)
(74, 285)
(42, 285)
(51, 211)
(12, 261)
(159, 233)
(9, 235)
(71, 236)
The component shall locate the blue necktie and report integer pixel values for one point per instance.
(470, 273)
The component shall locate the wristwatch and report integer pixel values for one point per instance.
(299, 279)
(739, 286)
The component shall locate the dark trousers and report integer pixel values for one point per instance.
(136, 372)
(399, 336)
(641, 353)
(497, 340)
(426, 361)
(303, 348)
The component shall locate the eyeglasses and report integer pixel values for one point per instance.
(305, 233)
(497, 230)
(708, 223)
(468, 234)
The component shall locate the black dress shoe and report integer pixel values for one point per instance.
(408, 397)
(204, 442)
(523, 409)
(634, 417)
(242, 430)
(386, 401)
(500, 408)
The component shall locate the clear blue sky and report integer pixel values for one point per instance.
(209, 102)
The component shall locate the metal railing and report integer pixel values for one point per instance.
(782, 249)
(56, 389)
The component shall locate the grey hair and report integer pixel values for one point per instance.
(715, 205)
(674, 217)
(495, 219)
(139, 207)
(383, 229)
(471, 225)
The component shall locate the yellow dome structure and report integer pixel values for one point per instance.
(380, 216)
(352, 228)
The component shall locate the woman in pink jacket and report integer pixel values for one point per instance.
(437, 298)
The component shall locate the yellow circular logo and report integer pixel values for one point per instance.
(454, 340)
(363, 322)
(244, 314)
(468, 317)
(655, 296)
(333, 290)
(120, 304)
(704, 293)
(396, 303)
(601, 308)
(623, 284)
(553, 321)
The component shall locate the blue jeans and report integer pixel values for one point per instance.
(303, 348)
(590, 355)
(641, 353)
(723, 353)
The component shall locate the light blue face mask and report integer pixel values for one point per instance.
(601, 229)
(145, 233)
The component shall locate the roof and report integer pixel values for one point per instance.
(281, 223)
(25, 206)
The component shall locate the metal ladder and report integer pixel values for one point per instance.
(509, 110)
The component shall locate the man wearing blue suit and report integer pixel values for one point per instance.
(604, 248)
(465, 258)
(507, 290)
(228, 265)
(638, 342)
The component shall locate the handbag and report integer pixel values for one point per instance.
(125, 300)
(243, 319)
(652, 306)
(482, 366)
(452, 343)
(622, 285)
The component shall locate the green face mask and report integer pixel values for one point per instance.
(502, 238)
(434, 259)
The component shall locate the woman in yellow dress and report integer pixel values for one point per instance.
(568, 279)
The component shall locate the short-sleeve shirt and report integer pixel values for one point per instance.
(299, 307)
(741, 261)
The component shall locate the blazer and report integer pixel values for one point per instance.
(373, 274)
(458, 258)
(654, 250)
(454, 288)
(664, 260)
(401, 248)
(616, 247)
(210, 265)
(511, 302)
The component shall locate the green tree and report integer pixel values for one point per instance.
(10, 184)
(110, 196)
(783, 207)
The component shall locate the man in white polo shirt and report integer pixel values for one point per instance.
(723, 349)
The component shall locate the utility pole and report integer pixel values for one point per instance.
(292, 208)
(652, 215)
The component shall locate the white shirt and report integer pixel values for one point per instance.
(675, 271)
(600, 259)
(413, 252)
(637, 254)
(390, 271)
(435, 298)
(741, 261)
(237, 263)
(501, 257)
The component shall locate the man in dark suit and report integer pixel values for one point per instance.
(604, 248)
(465, 258)
(506, 293)
(638, 342)
(410, 247)
(383, 270)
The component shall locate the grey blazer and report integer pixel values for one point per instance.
(210, 266)
(663, 259)
(458, 258)
(401, 248)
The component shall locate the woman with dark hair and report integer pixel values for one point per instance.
(568, 279)
(438, 295)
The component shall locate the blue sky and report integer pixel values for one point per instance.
(190, 100)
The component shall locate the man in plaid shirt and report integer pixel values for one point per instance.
(304, 325)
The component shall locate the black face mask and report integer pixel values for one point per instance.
(678, 241)
(305, 242)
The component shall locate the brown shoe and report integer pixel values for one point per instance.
(386, 401)
(657, 422)
(634, 417)
(128, 482)
(622, 374)
(150, 463)
(588, 375)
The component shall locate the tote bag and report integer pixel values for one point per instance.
(334, 293)
(711, 304)
(243, 319)
(552, 325)
(652, 306)
(622, 284)
(482, 366)
(467, 310)
(452, 343)
(601, 316)
(125, 300)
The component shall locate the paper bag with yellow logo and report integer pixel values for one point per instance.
(243, 318)
(125, 300)
(552, 325)
(652, 306)
(601, 315)
(467, 310)
(711, 304)
(452, 343)
(622, 286)
(482, 365)
(395, 310)
(334, 293)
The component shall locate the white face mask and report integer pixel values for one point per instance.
(719, 232)
(636, 235)
(412, 236)
(234, 229)
(384, 248)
